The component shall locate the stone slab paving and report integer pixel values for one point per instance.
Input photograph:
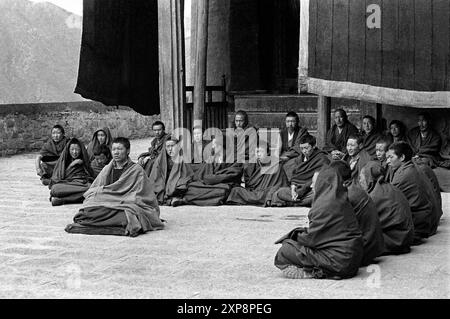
(222, 252)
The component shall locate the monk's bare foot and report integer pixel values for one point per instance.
(294, 272)
(57, 201)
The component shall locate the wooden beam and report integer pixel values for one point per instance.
(200, 60)
(379, 112)
(323, 119)
(382, 95)
(172, 78)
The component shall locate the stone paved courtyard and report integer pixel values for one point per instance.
(223, 252)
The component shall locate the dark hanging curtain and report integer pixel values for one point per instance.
(119, 54)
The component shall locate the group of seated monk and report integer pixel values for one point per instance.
(68, 168)
(371, 194)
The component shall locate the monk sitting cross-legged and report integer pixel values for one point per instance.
(120, 201)
(332, 245)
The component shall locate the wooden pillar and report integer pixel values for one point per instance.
(200, 62)
(172, 78)
(323, 119)
(379, 118)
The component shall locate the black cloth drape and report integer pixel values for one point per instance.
(119, 54)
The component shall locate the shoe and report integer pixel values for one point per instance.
(57, 201)
(294, 272)
(177, 202)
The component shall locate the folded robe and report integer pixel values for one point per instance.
(50, 153)
(333, 243)
(433, 193)
(407, 179)
(261, 182)
(156, 147)
(127, 207)
(393, 210)
(169, 182)
(370, 142)
(368, 221)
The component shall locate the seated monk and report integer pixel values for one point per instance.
(100, 137)
(291, 136)
(49, 154)
(72, 175)
(365, 212)
(356, 157)
(212, 182)
(397, 131)
(370, 135)
(425, 142)
(431, 182)
(120, 201)
(337, 136)
(170, 175)
(381, 148)
(392, 207)
(102, 157)
(261, 180)
(332, 245)
(147, 159)
(404, 176)
(300, 175)
(244, 136)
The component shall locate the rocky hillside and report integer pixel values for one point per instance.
(39, 52)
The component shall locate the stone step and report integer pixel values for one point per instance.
(276, 103)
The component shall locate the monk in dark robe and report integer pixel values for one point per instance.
(370, 135)
(147, 159)
(332, 245)
(392, 207)
(300, 175)
(102, 157)
(291, 136)
(101, 136)
(365, 212)
(50, 153)
(244, 137)
(356, 157)
(212, 182)
(337, 136)
(170, 175)
(121, 200)
(261, 180)
(431, 182)
(72, 175)
(405, 177)
(397, 132)
(381, 147)
(425, 142)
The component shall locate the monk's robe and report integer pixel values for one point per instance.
(50, 153)
(336, 141)
(212, 184)
(291, 148)
(169, 178)
(300, 173)
(156, 147)
(119, 202)
(407, 179)
(262, 180)
(370, 142)
(244, 141)
(433, 193)
(94, 142)
(362, 158)
(69, 183)
(393, 210)
(332, 245)
(368, 221)
(97, 167)
(427, 148)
